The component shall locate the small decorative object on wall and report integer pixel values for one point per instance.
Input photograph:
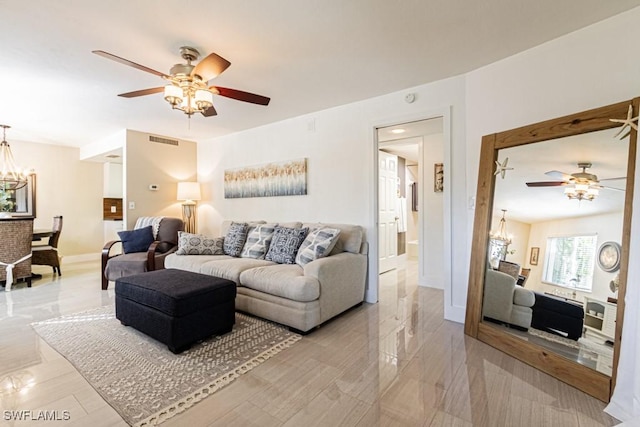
(609, 257)
(501, 168)
(533, 259)
(626, 123)
(271, 179)
(438, 178)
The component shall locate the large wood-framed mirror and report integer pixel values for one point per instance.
(565, 288)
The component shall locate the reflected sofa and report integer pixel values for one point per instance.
(505, 302)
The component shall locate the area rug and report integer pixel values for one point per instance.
(140, 378)
(553, 337)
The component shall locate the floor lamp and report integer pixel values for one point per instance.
(190, 193)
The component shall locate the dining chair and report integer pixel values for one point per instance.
(15, 251)
(48, 254)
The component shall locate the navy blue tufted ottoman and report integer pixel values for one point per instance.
(176, 307)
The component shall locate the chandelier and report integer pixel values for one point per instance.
(11, 176)
(186, 92)
(501, 234)
(582, 190)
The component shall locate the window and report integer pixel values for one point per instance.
(569, 262)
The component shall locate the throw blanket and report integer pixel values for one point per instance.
(153, 221)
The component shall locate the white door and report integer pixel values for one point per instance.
(387, 215)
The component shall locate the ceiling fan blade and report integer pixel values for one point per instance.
(242, 96)
(142, 92)
(546, 184)
(209, 112)
(210, 67)
(127, 62)
(559, 175)
(613, 179)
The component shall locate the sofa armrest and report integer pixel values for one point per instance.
(342, 279)
(523, 297)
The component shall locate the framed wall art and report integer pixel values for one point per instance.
(287, 178)
(438, 178)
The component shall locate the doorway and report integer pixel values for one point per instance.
(411, 203)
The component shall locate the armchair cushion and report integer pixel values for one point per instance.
(137, 240)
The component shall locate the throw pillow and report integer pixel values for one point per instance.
(285, 244)
(258, 241)
(199, 244)
(137, 240)
(317, 244)
(235, 238)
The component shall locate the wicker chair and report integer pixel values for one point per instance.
(48, 254)
(15, 249)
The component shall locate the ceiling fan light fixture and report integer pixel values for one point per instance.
(203, 99)
(173, 95)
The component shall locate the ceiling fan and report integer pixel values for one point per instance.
(580, 185)
(575, 178)
(188, 88)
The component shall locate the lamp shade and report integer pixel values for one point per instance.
(188, 191)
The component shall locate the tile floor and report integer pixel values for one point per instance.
(395, 363)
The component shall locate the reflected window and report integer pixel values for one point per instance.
(570, 261)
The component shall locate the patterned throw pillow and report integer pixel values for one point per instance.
(285, 244)
(235, 238)
(258, 241)
(199, 244)
(317, 244)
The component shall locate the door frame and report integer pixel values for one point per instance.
(372, 291)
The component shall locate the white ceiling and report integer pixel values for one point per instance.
(305, 55)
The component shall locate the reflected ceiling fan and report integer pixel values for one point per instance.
(188, 86)
(580, 185)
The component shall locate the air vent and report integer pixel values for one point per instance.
(163, 140)
(112, 156)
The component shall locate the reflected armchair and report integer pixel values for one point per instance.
(163, 241)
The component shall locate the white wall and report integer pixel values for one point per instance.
(607, 227)
(147, 162)
(340, 169)
(592, 67)
(65, 186)
(433, 215)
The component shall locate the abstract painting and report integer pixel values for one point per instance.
(287, 178)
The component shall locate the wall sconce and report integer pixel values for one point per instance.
(190, 193)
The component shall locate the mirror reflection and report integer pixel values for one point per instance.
(554, 247)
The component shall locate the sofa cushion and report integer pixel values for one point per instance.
(199, 244)
(137, 240)
(258, 241)
(235, 238)
(285, 244)
(230, 268)
(317, 244)
(282, 280)
(191, 263)
(523, 297)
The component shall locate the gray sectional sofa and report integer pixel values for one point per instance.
(301, 297)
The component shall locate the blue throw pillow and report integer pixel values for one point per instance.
(136, 240)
